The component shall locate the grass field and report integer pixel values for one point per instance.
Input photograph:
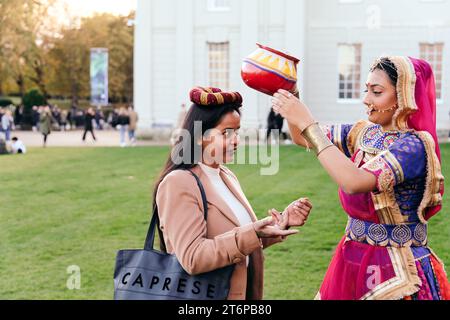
(63, 207)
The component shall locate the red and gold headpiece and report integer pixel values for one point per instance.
(211, 97)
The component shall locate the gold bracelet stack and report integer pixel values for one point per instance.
(316, 138)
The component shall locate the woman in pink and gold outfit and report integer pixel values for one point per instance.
(390, 184)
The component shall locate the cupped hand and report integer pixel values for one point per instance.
(295, 215)
(267, 228)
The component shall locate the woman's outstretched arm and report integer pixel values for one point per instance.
(344, 172)
(183, 225)
(296, 136)
(341, 169)
(295, 132)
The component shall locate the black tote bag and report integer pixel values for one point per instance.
(149, 274)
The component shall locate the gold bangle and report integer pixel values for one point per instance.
(316, 138)
(309, 125)
(331, 145)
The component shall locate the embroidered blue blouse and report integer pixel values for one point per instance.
(402, 153)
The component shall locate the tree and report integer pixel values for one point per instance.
(121, 42)
(31, 99)
(21, 26)
(70, 55)
(56, 60)
(70, 63)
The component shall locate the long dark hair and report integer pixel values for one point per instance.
(387, 66)
(209, 117)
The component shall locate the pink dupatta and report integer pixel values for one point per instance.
(424, 119)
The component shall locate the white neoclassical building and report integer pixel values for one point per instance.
(183, 43)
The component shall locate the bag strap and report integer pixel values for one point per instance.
(150, 240)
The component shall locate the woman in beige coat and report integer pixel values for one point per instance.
(232, 234)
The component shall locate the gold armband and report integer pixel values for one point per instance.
(316, 138)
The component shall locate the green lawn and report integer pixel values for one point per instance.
(62, 207)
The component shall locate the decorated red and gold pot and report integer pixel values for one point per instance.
(268, 70)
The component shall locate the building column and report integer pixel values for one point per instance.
(143, 65)
(184, 52)
(296, 37)
(249, 37)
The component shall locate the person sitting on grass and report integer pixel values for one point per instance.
(18, 146)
